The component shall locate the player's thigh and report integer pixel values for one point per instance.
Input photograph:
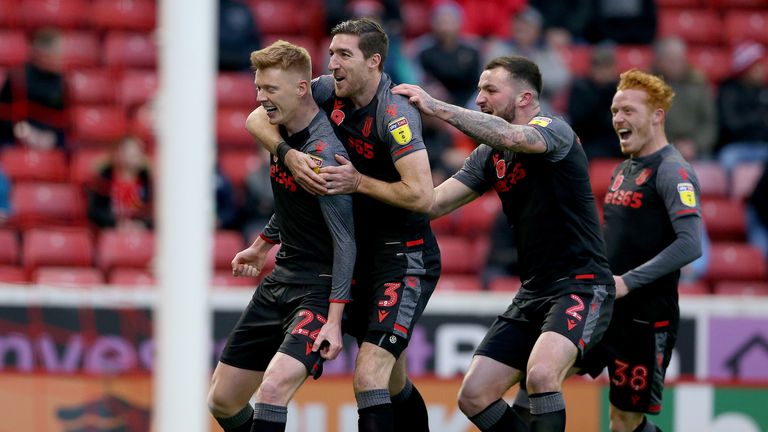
(282, 379)
(486, 381)
(373, 368)
(231, 388)
(552, 357)
(581, 316)
(308, 312)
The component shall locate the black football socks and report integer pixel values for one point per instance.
(240, 422)
(498, 417)
(375, 410)
(269, 418)
(409, 409)
(547, 412)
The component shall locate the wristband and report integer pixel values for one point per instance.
(282, 150)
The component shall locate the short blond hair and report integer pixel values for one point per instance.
(283, 55)
(659, 93)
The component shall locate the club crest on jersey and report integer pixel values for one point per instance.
(540, 121)
(643, 176)
(617, 182)
(318, 163)
(501, 169)
(400, 130)
(367, 126)
(687, 194)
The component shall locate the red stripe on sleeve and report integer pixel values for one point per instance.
(263, 237)
(585, 276)
(403, 150)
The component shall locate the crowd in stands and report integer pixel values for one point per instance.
(77, 82)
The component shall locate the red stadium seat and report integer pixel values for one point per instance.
(14, 48)
(9, 247)
(505, 284)
(74, 277)
(13, 274)
(712, 178)
(138, 15)
(458, 255)
(280, 16)
(130, 277)
(136, 88)
(226, 244)
(578, 58)
(130, 50)
(53, 13)
(9, 13)
(600, 172)
(121, 248)
(459, 283)
(476, 218)
(713, 61)
(97, 125)
(80, 49)
(692, 25)
(416, 15)
(91, 86)
(633, 56)
(36, 204)
(142, 124)
(693, 288)
(236, 165)
(744, 178)
(735, 262)
(725, 219)
(743, 25)
(733, 288)
(236, 90)
(230, 129)
(86, 164)
(57, 247)
(444, 225)
(663, 4)
(224, 278)
(23, 164)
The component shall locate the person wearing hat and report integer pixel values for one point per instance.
(743, 108)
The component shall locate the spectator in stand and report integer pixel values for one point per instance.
(502, 255)
(120, 196)
(527, 41)
(32, 99)
(5, 197)
(622, 22)
(743, 108)
(691, 123)
(450, 62)
(564, 16)
(258, 203)
(757, 214)
(238, 35)
(226, 204)
(589, 105)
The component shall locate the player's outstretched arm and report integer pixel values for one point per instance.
(481, 127)
(450, 195)
(300, 164)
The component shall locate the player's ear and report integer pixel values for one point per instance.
(374, 61)
(302, 88)
(658, 116)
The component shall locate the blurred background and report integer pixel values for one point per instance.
(79, 172)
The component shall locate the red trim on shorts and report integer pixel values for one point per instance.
(403, 150)
(402, 329)
(660, 324)
(581, 343)
(654, 408)
(585, 276)
(416, 242)
(263, 237)
(687, 211)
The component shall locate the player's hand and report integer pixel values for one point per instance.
(621, 287)
(249, 262)
(330, 332)
(342, 179)
(417, 96)
(302, 166)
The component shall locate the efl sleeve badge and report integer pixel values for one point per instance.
(687, 194)
(400, 130)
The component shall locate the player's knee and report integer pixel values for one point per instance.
(541, 378)
(363, 381)
(220, 404)
(271, 392)
(473, 399)
(623, 421)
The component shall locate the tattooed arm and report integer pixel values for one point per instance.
(483, 128)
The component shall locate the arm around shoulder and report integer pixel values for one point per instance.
(262, 131)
